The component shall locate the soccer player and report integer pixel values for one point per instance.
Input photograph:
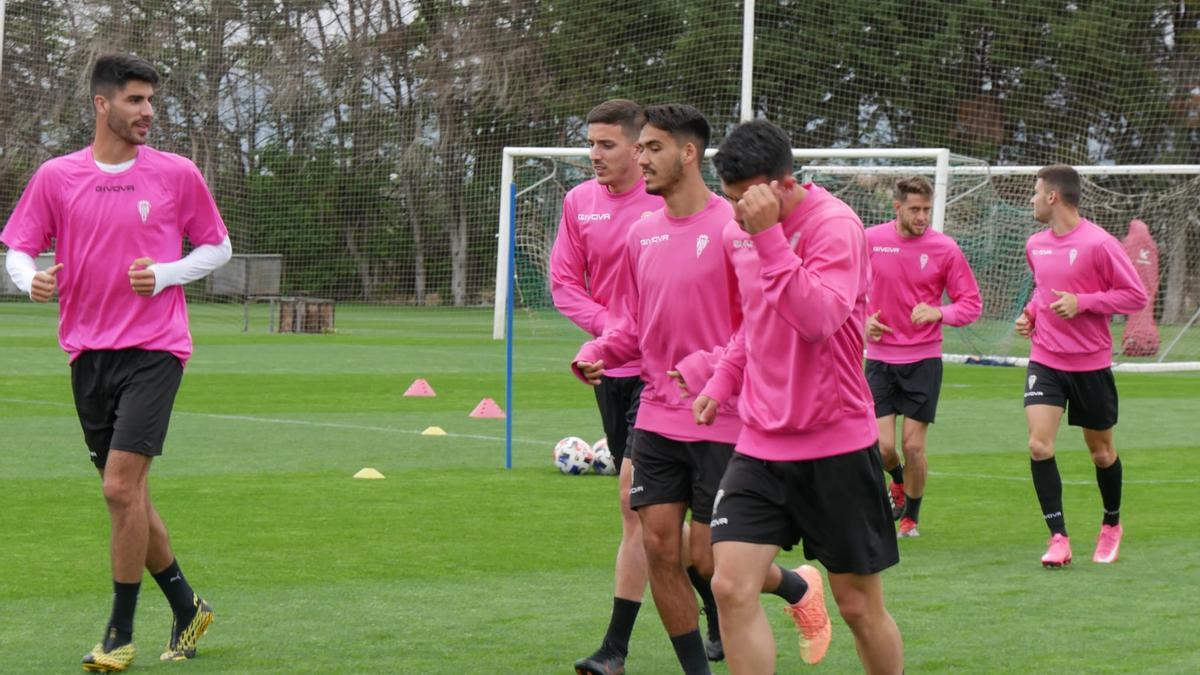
(911, 267)
(587, 256)
(677, 297)
(117, 212)
(806, 466)
(1081, 277)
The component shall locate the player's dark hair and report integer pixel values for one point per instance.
(680, 120)
(913, 185)
(114, 71)
(620, 111)
(1064, 180)
(754, 148)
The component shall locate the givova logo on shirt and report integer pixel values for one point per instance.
(584, 217)
(656, 239)
(885, 249)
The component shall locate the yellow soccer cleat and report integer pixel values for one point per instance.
(182, 645)
(100, 661)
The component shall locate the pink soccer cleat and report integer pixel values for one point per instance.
(1108, 545)
(1059, 552)
(811, 617)
(908, 528)
(896, 493)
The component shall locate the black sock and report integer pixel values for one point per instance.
(1109, 480)
(689, 648)
(178, 592)
(120, 624)
(620, 626)
(912, 507)
(792, 587)
(897, 474)
(1048, 485)
(704, 588)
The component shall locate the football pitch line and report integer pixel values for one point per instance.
(530, 441)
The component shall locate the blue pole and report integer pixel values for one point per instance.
(508, 329)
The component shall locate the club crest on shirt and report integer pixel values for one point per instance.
(647, 214)
(1071, 256)
(924, 260)
(1143, 257)
(701, 243)
(144, 210)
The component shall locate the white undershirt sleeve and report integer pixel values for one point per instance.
(21, 268)
(195, 265)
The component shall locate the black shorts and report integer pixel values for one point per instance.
(837, 506)
(1090, 397)
(666, 471)
(908, 389)
(618, 398)
(124, 399)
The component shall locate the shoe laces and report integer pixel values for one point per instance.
(807, 617)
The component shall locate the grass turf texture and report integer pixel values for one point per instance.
(453, 565)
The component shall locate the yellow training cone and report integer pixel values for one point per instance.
(368, 473)
(434, 431)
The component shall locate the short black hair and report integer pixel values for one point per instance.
(620, 111)
(754, 148)
(114, 71)
(913, 185)
(681, 121)
(1064, 180)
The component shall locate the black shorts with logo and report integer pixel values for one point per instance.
(1090, 397)
(666, 471)
(618, 399)
(124, 399)
(908, 389)
(836, 506)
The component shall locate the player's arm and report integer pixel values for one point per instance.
(814, 296)
(1125, 294)
(726, 380)
(965, 304)
(568, 277)
(618, 344)
(38, 285)
(150, 278)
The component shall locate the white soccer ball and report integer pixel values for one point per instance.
(573, 456)
(602, 459)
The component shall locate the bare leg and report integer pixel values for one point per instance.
(915, 466)
(631, 555)
(876, 637)
(742, 572)
(672, 591)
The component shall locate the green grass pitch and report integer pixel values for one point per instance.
(454, 565)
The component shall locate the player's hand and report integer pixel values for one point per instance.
(759, 207)
(705, 410)
(876, 328)
(45, 283)
(141, 278)
(1024, 325)
(592, 370)
(1067, 304)
(678, 378)
(924, 313)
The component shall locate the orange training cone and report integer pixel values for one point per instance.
(419, 387)
(488, 408)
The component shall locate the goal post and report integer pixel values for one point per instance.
(509, 192)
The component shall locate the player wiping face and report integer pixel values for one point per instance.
(758, 202)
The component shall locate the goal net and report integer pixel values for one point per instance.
(984, 208)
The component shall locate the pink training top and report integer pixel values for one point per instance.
(587, 255)
(803, 285)
(1090, 263)
(678, 296)
(906, 271)
(98, 224)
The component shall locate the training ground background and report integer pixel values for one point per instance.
(454, 565)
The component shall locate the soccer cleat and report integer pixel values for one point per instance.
(897, 496)
(1108, 545)
(713, 649)
(182, 645)
(811, 617)
(116, 660)
(908, 528)
(601, 663)
(1058, 553)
